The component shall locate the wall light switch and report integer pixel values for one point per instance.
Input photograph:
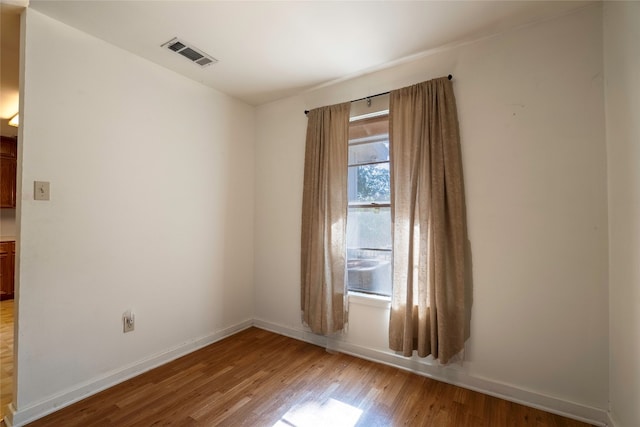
(40, 190)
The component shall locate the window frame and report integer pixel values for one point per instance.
(366, 205)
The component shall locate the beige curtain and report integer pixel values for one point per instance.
(429, 228)
(324, 219)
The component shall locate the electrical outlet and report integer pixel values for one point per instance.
(128, 322)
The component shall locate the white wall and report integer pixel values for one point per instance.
(622, 66)
(531, 113)
(152, 189)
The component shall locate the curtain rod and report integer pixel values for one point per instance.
(373, 96)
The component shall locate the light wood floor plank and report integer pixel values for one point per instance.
(6, 354)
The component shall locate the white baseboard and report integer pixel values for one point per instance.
(450, 375)
(610, 421)
(22, 416)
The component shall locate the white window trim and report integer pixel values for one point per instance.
(369, 299)
(369, 115)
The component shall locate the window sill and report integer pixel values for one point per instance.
(370, 300)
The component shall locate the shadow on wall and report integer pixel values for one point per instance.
(468, 288)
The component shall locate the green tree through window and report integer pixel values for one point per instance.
(373, 183)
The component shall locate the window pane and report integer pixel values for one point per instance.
(369, 228)
(369, 152)
(369, 271)
(364, 128)
(369, 183)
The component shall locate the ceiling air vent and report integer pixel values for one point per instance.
(191, 53)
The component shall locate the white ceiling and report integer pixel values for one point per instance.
(269, 50)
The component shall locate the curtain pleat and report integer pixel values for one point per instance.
(428, 303)
(324, 219)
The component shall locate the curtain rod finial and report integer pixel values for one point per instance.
(306, 112)
(449, 76)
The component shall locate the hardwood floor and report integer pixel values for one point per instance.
(257, 378)
(6, 354)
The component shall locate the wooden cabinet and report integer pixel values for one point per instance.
(8, 167)
(7, 269)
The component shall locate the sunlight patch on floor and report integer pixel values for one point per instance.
(314, 414)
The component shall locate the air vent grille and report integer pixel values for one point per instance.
(190, 52)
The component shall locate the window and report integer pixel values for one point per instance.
(369, 215)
